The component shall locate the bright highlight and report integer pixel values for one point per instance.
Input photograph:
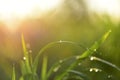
(111, 7)
(12, 10)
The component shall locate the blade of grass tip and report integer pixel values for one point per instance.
(24, 47)
(44, 68)
(13, 74)
(95, 46)
(26, 55)
(86, 54)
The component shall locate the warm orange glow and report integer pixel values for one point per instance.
(13, 10)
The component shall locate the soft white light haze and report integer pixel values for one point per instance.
(12, 10)
(111, 7)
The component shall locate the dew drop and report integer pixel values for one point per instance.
(77, 57)
(92, 58)
(24, 58)
(91, 70)
(109, 76)
(60, 41)
(30, 51)
(95, 50)
(95, 70)
(56, 69)
(110, 30)
(60, 61)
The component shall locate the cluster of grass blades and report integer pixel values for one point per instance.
(29, 67)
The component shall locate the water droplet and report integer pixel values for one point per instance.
(109, 76)
(56, 69)
(79, 64)
(77, 57)
(91, 70)
(61, 61)
(30, 51)
(110, 30)
(60, 41)
(95, 50)
(91, 58)
(24, 58)
(95, 70)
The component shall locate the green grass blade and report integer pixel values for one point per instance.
(13, 74)
(56, 66)
(86, 54)
(95, 46)
(82, 75)
(105, 62)
(44, 69)
(21, 78)
(35, 64)
(24, 47)
(26, 55)
(23, 68)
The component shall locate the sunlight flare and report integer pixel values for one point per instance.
(14, 10)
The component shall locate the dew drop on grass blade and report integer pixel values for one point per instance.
(86, 54)
(26, 55)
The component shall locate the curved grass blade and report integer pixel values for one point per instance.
(86, 54)
(95, 46)
(35, 64)
(56, 66)
(83, 76)
(105, 62)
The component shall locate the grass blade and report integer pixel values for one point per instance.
(105, 62)
(95, 46)
(35, 64)
(86, 54)
(44, 69)
(83, 76)
(23, 68)
(13, 74)
(26, 55)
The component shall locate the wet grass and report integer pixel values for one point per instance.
(29, 67)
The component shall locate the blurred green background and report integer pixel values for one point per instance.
(70, 21)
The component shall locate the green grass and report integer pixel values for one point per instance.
(29, 67)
